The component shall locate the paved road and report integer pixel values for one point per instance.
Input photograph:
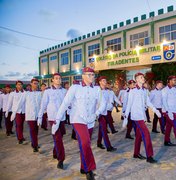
(20, 163)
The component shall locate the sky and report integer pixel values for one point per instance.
(57, 21)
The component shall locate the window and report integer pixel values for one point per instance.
(43, 60)
(64, 58)
(114, 44)
(52, 58)
(167, 32)
(94, 49)
(140, 39)
(65, 79)
(77, 78)
(77, 55)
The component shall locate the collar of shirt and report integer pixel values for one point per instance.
(84, 84)
(19, 91)
(53, 87)
(137, 86)
(170, 87)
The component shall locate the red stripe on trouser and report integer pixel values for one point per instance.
(44, 121)
(86, 155)
(110, 120)
(19, 125)
(142, 133)
(129, 126)
(102, 132)
(58, 149)
(33, 133)
(169, 124)
(8, 123)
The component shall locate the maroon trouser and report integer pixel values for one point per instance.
(169, 124)
(62, 128)
(110, 120)
(19, 125)
(102, 132)
(58, 149)
(44, 121)
(84, 140)
(33, 127)
(142, 134)
(129, 126)
(8, 123)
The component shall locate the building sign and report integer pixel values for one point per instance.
(169, 51)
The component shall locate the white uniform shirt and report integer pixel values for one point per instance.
(156, 98)
(51, 101)
(169, 99)
(112, 98)
(4, 102)
(137, 100)
(32, 101)
(86, 102)
(121, 95)
(125, 100)
(13, 100)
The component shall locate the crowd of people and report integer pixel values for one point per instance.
(81, 105)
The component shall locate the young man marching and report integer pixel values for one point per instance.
(31, 99)
(169, 103)
(51, 101)
(137, 100)
(87, 103)
(13, 100)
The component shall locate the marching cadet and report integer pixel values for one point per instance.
(102, 132)
(44, 124)
(51, 101)
(156, 100)
(137, 100)
(8, 123)
(13, 100)
(31, 99)
(169, 103)
(1, 114)
(130, 125)
(111, 101)
(87, 104)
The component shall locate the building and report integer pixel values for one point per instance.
(134, 45)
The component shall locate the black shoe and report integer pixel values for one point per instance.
(20, 142)
(54, 156)
(155, 131)
(111, 149)
(151, 160)
(129, 137)
(163, 132)
(35, 149)
(115, 131)
(73, 137)
(24, 139)
(60, 165)
(108, 132)
(90, 176)
(169, 144)
(149, 121)
(8, 134)
(82, 171)
(38, 147)
(12, 132)
(45, 129)
(139, 156)
(100, 146)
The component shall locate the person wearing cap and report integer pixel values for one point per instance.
(169, 103)
(87, 103)
(51, 101)
(130, 125)
(137, 100)
(44, 124)
(31, 99)
(13, 100)
(1, 113)
(5, 97)
(102, 132)
(156, 100)
(112, 101)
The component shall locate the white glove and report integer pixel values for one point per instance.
(171, 116)
(158, 113)
(12, 116)
(55, 127)
(125, 122)
(39, 121)
(6, 114)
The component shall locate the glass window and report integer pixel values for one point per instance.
(77, 55)
(167, 32)
(52, 58)
(94, 49)
(140, 39)
(64, 58)
(43, 60)
(114, 44)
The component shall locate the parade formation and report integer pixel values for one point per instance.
(84, 103)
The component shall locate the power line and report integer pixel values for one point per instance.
(9, 43)
(148, 5)
(27, 34)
